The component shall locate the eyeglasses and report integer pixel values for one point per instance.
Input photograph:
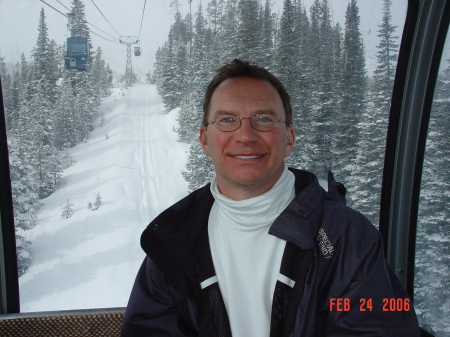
(261, 122)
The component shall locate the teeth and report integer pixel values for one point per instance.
(247, 157)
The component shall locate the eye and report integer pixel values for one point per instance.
(265, 119)
(226, 119)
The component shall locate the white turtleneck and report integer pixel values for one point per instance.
(246, 258)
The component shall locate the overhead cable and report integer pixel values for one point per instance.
(105, 17)
(54, 9)
(142, 19)
(63, 5)
(87, 23)
(100, 30)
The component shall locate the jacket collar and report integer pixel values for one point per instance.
(300, 220)
(180, 233)
(179, 226)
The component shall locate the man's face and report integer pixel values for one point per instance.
(248, 162)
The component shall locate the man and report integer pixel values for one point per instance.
(262, 250)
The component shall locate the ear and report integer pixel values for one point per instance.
(203, 137)
(290, 140)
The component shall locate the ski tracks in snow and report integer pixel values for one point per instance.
(151, 198)
(160, 157)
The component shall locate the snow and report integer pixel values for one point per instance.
(134, 162)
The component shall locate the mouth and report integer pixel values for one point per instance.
(247, 157)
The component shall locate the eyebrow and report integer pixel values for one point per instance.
(258, 112)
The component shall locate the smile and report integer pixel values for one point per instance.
(247, 157)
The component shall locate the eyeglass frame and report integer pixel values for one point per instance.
(251, 122)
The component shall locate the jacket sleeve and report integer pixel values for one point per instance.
(155, 309)
(364, 296)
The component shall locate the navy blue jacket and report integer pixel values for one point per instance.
(340, 283)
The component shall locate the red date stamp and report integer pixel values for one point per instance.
(366, 304)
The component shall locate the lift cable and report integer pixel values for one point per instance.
(105, 17)
(55, 9)
(142, 19)
(63, 5)
(101, 31)
(104, 38)
(87, 23)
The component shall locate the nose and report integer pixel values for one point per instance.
(246, 133)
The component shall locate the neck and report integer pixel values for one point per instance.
(241, 191)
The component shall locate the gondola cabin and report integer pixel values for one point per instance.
(77, 53)
(383, 127)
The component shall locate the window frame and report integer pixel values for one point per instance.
(9, 277)
(420, 55)
(426, 27)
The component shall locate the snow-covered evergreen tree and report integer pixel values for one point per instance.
(95, 205)
(199, 169)
(171, 68)
(367, 176)
(287, 50)
(25, 200)
(65, 112)
(250, 31)
(266, 57)
(78, 24)
(44, 67)
(101, 77)
(387, 55)
(323, 84)
(67, 210)
(228, 36)
(7, 89)
(129, 78)
(292, 68)
(46, 116)
(346, 136)
(432, 266)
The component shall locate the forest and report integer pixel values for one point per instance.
(48, 110)
(341, 111)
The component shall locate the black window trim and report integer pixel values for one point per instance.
(406, 138)
(419, 61)
(9, 277)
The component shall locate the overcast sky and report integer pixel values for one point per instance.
(19, 20)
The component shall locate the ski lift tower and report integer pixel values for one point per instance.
(129, 41)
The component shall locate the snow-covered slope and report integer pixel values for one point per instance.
(134, 162)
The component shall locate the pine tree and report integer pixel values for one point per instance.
(266, 59)
(67, 210)
(386, 61)
(199, 169)
(44, 70)
(87, 103)
(292, 67)
(129, 78)
(370, 158)
(7, 89)
(287, 49)
(93, 206)
(432, 291)
(41, 154)
(228, 36)
(166, 78)
(100, 77)
(250, 30)
(78, 24)
(64, 124)
(24, 80)
(25, 200)
(323, 80)
(353, 104)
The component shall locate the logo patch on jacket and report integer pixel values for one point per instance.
(324, 244)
